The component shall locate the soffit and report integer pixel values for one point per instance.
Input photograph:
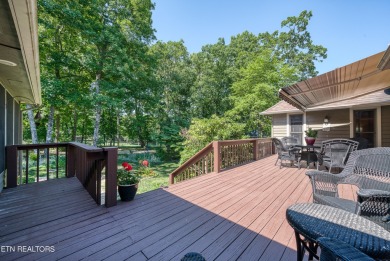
(18, 44)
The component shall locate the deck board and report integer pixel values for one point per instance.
(238, 214)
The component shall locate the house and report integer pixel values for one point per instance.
(19, 68)
(347, 102)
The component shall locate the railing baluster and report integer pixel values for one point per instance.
(47, 163)
(57, 158)
(38, 158)
(27, 157)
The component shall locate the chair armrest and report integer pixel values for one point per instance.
(325, 176)
(324, 183)
(375, 203)
(366, 193)
(334, 249)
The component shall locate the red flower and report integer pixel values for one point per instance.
(145, 163)
(128, 167)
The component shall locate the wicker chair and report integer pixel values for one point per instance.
(290, 141)
(363, 143)
(284, 153)
(335, 152)
(369, 170)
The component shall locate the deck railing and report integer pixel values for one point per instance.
(59, 160)
(220, 155)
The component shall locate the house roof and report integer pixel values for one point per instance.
(369, 100)
(357, 79)
(19, 46)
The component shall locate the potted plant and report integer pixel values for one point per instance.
(127, 182)
(311, 136)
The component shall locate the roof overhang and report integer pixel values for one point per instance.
(19, 45)
(348, 82)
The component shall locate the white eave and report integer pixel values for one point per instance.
(24, 14)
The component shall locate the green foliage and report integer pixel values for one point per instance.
(204, 131)
(257, 89)
(311, 133)
(294, 45)
(211, 89)
(99, 56)
(125, 177)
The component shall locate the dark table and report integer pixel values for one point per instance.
(308, 153)
(313, 221)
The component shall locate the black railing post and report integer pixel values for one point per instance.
(111, 158)
(11, 166)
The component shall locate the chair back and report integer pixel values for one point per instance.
(363, 142)
(290, 141)
(337, 151)
(280, 148)
(369, 168)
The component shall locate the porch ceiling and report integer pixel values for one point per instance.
(19, 45)
(360, 78)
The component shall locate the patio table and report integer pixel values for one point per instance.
(313, 221)
(308, 153)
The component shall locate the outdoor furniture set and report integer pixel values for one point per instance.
(331, 154)
(346, 229)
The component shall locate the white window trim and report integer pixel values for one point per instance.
(378, 120)
(303, 124)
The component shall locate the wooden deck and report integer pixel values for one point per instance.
(238, 214)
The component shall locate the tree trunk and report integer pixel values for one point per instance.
(33, 127)
(98, 111)
(75, 121)
(57, 128)
(83, 130)
(50, 122)
(117, 128)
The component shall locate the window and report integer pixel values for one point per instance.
(364, 126)
(296, 122)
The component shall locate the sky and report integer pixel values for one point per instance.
(350, 29)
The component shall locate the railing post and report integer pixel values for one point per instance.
(70, 160)
(217, 157)
(255, 149)
(171, 179)
(111, 158)
(11, 166)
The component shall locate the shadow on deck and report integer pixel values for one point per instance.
(237, 214)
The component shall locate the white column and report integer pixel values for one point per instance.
(351, 130)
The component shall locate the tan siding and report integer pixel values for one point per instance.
(386, 126)
(279, 125)
(339, 120)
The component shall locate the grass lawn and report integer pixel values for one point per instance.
(163, 170)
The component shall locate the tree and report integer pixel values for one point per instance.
(174, 78)
(62, 75)
(113, 36)
(257, 89)
(211, 89)
(295, 46)
(204, 131)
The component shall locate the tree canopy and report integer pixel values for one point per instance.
(106, 78)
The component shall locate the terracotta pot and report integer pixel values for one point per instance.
(127, 192)
(310, 140)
